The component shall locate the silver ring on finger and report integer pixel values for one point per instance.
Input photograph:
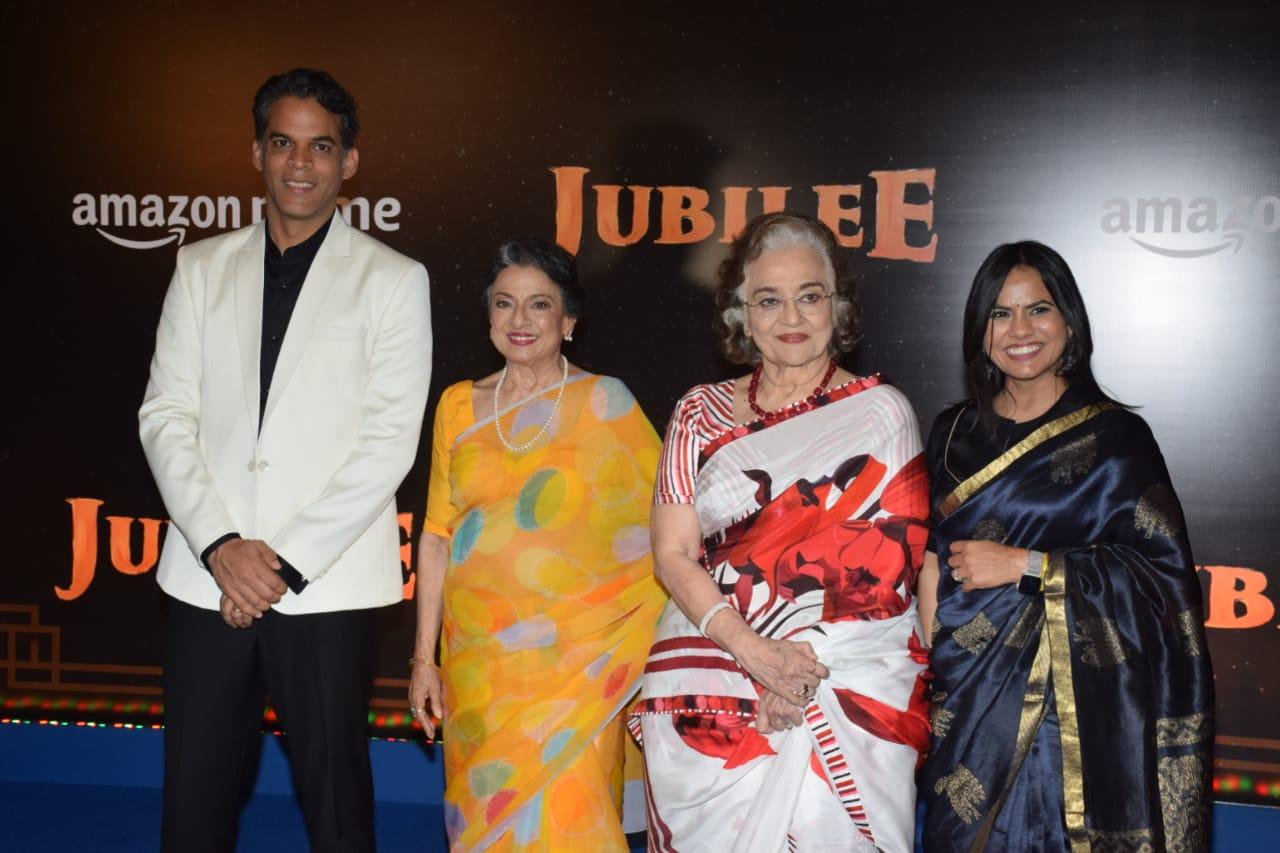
(789, 726)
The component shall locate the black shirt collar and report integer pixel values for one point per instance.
(303, 253)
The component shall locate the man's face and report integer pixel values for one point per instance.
(302, 162)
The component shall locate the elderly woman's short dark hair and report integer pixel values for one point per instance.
(554, 261)
(767, 233)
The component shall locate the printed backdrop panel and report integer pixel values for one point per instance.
(1141, 145)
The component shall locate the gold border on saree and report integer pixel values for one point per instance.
(1059, 637)
(1001, 463)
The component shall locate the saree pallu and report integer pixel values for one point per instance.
(1082, 717)
(550, 607)
(814, 529)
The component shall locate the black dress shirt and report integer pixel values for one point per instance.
(282, 278)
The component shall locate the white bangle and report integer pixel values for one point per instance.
(712, 611)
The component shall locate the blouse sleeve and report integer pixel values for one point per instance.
(678, 466)
(935, 446)
(440, 512)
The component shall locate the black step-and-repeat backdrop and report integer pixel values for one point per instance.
(1142, 145)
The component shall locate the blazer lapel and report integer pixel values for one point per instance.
(248, 301)
(330, 263)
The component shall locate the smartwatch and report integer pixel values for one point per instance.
(1032, 582)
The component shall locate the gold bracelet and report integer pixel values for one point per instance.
(412, 661)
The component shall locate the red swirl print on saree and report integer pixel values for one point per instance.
(797, 544)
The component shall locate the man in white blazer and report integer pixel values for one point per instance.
(284, 409)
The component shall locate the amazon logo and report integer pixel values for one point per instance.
(154, 220)
(1174, 227)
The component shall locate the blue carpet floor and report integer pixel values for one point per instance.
(54, 818)
(66, 789)
(48, 818)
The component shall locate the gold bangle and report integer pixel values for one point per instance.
(412, 661)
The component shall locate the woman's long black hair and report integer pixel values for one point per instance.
(985, 379)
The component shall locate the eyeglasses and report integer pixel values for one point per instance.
(809, 302)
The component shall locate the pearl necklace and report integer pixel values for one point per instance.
(754, 388)
(497, 422)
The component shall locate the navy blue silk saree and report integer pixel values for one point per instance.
(1079, 718)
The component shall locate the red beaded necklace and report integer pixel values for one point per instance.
(754, 388)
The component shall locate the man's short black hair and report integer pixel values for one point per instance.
(307, 83)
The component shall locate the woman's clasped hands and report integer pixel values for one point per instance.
(790, 672)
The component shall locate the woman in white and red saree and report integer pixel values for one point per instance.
(783, 705)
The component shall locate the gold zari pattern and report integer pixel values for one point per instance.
(1183, 731)
(1100, 643)
(990, 530)
(976, 635)
(939, 717)
(1190, 624)
(964, 791)
(1075, 458)
(1121, 841)
(1157, 512)
(1183, 779)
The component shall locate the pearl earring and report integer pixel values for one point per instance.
(569, 337)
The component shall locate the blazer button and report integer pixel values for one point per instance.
(251, 466)
(263, 465)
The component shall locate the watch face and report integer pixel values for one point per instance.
(1029, 585)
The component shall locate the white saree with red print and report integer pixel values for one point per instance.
(814, 527)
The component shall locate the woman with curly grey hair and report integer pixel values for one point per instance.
(783, 703)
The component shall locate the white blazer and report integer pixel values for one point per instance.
(318, 480)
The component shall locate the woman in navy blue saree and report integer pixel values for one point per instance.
(1072, 692)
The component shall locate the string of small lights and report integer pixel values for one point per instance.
(393, 727)
(148, 714)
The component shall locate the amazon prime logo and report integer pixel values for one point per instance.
(1178, 228)
(153, 220)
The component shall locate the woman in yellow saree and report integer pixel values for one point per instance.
(535, 560)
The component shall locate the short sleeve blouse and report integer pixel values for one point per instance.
(700, 416)
(454, 413)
